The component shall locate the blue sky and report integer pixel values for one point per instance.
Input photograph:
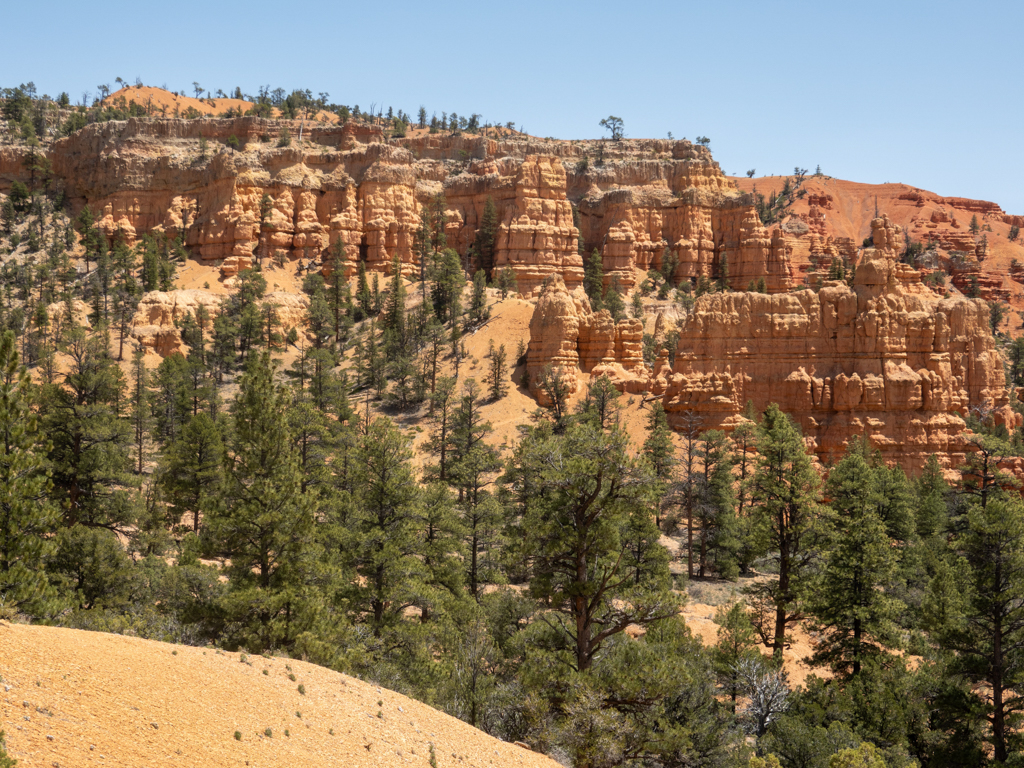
(925, 93)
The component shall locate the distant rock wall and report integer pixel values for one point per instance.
(632, 200)
(873, 359)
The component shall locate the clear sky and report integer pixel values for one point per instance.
(925, 93)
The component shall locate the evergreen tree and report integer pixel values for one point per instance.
(669, 262)
(435, 341)
(975, 609)
(443, 402)
(192, 471)
(497, 381)
(735, 644)
(171, 400)
(932, 494)
(613, 302)
(552, 383)
(479, 312)
(851, 606)
(141, 412)
(483, 245)
(716, 506)
(318, 319)
(363, 296)
(506, 282)
(585, 492)
(601, 404)
(593, 280)
(660, 452)
(27, 517)
(443, 553)
(393, 322)
(722, 284)
(89, 454)
(786, 492)
(751, 528)
(473, 465)
(313, 432)
(383, 545)
(448, 280)
(262, 522)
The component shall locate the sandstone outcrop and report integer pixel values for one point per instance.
(566, 334)
(345, 185)
(870, 359)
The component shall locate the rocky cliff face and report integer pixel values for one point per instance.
(633, 201)
(881, 358)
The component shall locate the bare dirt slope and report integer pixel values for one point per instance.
(161, 103)
(75, 698)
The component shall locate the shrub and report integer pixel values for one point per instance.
(268, 733)
(285, 139)
(302, 689)
(238, 735)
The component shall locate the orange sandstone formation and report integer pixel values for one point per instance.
(881, 358)
(346, 185)
(567, 335)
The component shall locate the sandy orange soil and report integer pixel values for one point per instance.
(75, 698)
(161, 103)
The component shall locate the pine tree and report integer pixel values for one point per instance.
(262, 521)
(722, 284)
(473, 465)
(483, 245)
(786, 492)
(585, 492)
(660, 452)
(383, 545)
(443, 553)
(363, 296)
(735, 644)
(171, 401)
(669, 262)
(932, 494)
(497, 381)
(593, 280)
(89, 454)
(506, 281)
(443, 402)
(849, 601)
(448, 280)
(975, 609)
(601, 405)
(319, 322)
(716, 506)
(27, 517)
(435, 342)
(613, 302)
(478, 309)
(393, 320)
(192, 471)
(551, 381)
(751, 527)
(313, 432)
(142, 416)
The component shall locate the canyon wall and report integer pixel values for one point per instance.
(882, 358)
(633, 200)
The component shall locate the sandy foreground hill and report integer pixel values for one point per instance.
(75, 698)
